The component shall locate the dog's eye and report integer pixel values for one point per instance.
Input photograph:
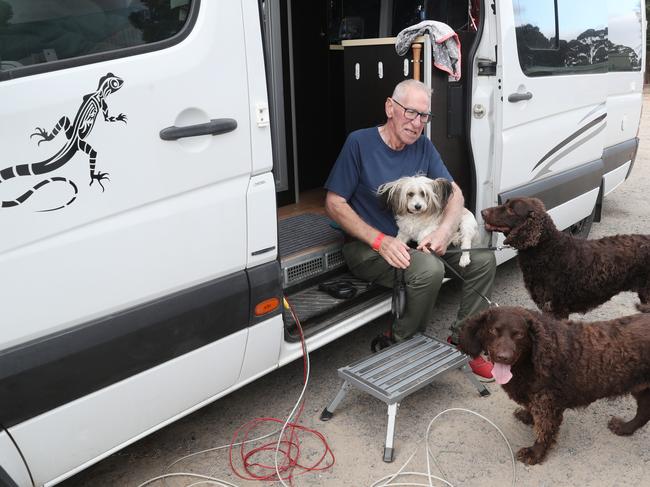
(422, 193)
(410, 194)
(518, 335)
(494, 331)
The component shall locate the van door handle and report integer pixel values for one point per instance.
(515, 97)
(215, 126)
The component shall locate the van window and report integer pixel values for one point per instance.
(556, 37)
(625, 35)
(41, 31)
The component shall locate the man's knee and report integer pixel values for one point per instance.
(484, 262)
(425, 269)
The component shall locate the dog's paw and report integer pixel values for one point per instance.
(530, 456)
(523, 415)
(464, 260)
(620, 427)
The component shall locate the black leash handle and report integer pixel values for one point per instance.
(398, 304)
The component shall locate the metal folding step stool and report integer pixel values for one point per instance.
(400, 370)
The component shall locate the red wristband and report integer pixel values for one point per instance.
(376, 245)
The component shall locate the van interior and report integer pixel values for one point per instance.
(314, 54)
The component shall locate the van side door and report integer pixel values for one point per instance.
(552, 66)
(125, 164)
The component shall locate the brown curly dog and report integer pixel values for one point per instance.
(564, 274)
(548, 366)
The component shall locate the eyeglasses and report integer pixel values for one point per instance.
(411, 114)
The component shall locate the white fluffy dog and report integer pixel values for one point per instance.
(418, 203)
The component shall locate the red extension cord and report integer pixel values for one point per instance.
(289, 466)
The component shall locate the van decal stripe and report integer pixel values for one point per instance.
(547, 168)
(575, 134)
(48, 372)
(602, 106)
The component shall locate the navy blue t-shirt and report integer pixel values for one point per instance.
(366, 162)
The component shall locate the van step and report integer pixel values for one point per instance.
(309, 247)
(317, 309)
(302, 232)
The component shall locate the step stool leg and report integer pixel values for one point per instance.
(390, 432)
(328, 412)
(483, 391)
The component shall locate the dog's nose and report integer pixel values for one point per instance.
(483, 213)
(504, 356)
(418, 206)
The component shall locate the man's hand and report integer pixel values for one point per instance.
(395, 252)
(436, 242)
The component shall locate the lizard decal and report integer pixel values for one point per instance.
(76, 133)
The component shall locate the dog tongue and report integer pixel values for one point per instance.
(501, 373)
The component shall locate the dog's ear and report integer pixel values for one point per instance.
(444, 188)
(387, 195)
(534, 220)
(542, 345)
(472, 332)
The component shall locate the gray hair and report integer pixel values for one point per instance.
(403, 86)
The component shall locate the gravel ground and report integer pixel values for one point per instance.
(468, 450)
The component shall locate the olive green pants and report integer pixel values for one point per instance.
(423, 280)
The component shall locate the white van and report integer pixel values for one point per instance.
(161, 183)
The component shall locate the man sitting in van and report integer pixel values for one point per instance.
(373, 156)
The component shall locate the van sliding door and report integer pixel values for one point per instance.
(552, 59)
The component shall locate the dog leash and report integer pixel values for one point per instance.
(475, 249)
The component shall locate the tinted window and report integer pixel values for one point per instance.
(556, 37)
(625, 35)
(41, 31)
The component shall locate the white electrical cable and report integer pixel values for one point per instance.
(206, 478)
(295, 407)
(387, 480)
(221, 448)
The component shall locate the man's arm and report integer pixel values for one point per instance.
(438, 240)
(392, 250)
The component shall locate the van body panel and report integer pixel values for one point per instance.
(624, 102)
(614, 178)
(71, 437)
(12, 468)
(262, 348)
(261, 220)
(81, 360)
(104, 251)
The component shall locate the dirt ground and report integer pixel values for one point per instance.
(469, 451)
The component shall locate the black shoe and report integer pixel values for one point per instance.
(381, 341)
